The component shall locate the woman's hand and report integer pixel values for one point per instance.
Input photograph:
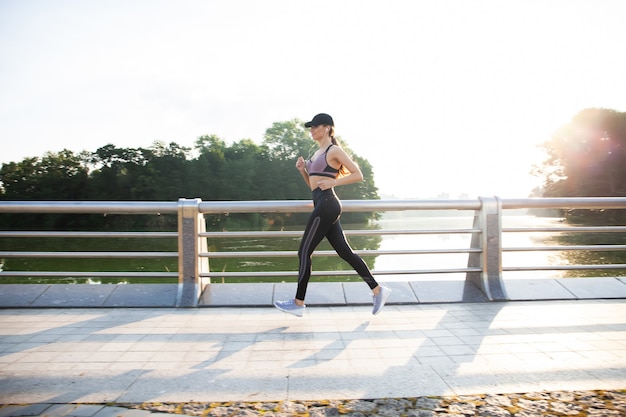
(300, 164)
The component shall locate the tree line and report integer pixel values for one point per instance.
(211, 170)
(586, 157)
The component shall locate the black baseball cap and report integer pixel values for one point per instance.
(320, 119)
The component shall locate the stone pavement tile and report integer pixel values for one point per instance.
(610, 376)
(397, 381)
(536, 289)
(435, 361)
(357, 293)
(184, 385)
(574, 380)
(20, 295)
(446, 291)
(64, 386)
(321, 293)
(253, 294)
(61, 295)
(85, 410)
(60, 410)
(115, 412)
(473, 378)
(143, 295)
(122, 412)
(23, 410)
(595, 288)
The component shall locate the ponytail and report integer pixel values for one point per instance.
(331, 132)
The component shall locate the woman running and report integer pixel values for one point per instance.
(330, 166)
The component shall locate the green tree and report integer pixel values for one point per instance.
(242, 171)
(208, 167)
(117, 170)
(288, 140)
(587, 158)
(56, 176)
(165, 174)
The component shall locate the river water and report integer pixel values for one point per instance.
(402, 221)
(417, 221)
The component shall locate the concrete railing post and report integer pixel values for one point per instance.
(489, 221)
(190, 244)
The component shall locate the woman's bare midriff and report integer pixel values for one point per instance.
(314, 179)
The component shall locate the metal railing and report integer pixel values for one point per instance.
(484, 266)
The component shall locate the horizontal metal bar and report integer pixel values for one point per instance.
(596, 248)
(168, 207)
(298, 233)
(271, 254)
(336, 273)
(262, 234)
(414, 232)
(88, 255)
(86, 274)
(402, 205)
(98, 207)
(577, 229)
(286, 206)
(292, 206)
(564, 267)
(89, 234)
(565, 203)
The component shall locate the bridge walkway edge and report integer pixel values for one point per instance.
(319, 294)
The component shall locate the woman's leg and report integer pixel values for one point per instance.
(337, 239)
(324, 215)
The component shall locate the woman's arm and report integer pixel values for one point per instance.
(355, 174)
(338, 157)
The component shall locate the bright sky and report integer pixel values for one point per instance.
(439, 95)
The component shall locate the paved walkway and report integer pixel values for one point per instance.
(64, 356)
(319, 293)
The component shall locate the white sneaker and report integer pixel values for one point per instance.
(290, 307)
(381, 299)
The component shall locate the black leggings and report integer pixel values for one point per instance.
(324, 222)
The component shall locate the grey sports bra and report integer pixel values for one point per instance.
(320, 166)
